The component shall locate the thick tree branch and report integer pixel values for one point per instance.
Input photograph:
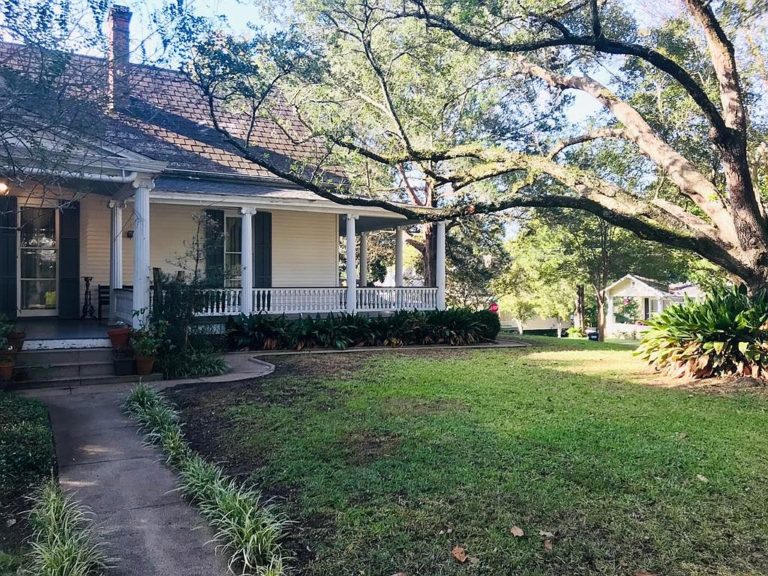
(683, 173)
(598, 42)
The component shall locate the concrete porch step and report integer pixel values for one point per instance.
(70, 382)
(34, 372)
(68, 368)
(63, 357)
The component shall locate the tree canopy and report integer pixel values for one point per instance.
(447, 108)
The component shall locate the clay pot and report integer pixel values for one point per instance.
(119, 337)
(16, 340)
(6, 368)
(144, 365)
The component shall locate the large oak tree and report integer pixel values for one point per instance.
(442, 108)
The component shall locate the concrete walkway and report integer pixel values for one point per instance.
(145, 524)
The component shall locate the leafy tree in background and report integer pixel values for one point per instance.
(562, 249)
(456, 107)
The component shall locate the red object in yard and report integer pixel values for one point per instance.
(494, 307)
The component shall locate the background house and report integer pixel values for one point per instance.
(632, 300)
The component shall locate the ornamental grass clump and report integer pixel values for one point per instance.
(62, 542)
(247, 526)
(725, 333)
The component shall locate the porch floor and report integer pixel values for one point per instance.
(54, 333)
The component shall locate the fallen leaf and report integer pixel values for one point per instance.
(449, 530)
(459, 554)
(548, 545)
(474, 560)
(546, 534)
(701, 478)
(643, 572)
(517, 532)
(400, 574)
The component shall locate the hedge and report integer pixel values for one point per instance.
(455, 327)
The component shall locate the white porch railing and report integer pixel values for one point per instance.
(220, 302)
(227, 301)
(391, 299)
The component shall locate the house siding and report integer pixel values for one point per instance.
(304, 244)
(305, 249)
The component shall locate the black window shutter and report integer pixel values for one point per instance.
(262, 250)
(214, 248)
(69, 260)
(8, 256)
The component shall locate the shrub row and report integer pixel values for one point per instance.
(246, 525)
(725, 333)
(456, 327)
(26, 446)
(62, 542)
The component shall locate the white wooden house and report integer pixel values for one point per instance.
(129, 201)
(648, 296)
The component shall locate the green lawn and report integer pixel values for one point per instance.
(26, 459)
(397, 459)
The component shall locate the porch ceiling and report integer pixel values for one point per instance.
(372, 223)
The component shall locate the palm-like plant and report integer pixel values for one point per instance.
(724, 333)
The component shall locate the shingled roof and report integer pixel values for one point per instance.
(165, 117)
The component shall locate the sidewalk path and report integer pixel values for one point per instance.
(145, 524)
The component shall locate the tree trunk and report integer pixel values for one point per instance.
(519, 326)
(601, 319)
(580, 320)
(430, 254)
(559, 328)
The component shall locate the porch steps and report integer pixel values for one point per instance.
(66, 368)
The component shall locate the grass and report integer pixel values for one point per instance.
(26, 461)
(389, 466)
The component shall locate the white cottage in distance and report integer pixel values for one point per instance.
(632, 300)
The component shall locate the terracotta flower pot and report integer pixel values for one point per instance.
(16, 339)
(6, 368)
(119, 337)
(144, 365)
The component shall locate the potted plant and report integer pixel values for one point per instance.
(119, 335)
(7, 360)
(145, 343)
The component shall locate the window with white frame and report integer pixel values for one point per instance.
(233, 251)
(651, 307)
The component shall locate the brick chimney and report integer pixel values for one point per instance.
(119, 36)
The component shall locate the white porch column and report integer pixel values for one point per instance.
(246, 280)
(115, 254)
(351, 279)
(399, 251)
(141, 261)
(440, 266)
(363, 259)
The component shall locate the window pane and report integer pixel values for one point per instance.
(234, 235)
(232, 269)
(38, 263)
(38, 294)
(38, 227)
